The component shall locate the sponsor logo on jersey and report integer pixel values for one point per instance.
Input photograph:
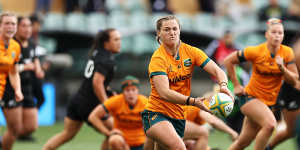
(180, 78)
(13, 54)
(187, 62)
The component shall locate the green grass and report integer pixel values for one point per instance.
(89, 139)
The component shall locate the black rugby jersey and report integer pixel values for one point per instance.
(101, 61)
(27, 56)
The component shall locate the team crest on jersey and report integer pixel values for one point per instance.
(187, 62)
(13, 54)
(154, 117)
(170, 68)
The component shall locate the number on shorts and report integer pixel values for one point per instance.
(89, 69)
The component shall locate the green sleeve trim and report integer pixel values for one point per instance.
(241, 57)
(291, 62)
(204, 63)
(157, 73)
(106, 110)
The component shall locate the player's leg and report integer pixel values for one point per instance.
(261, 114)
(30, 120)
(13, 117)
(290, 118)
(149, 144)
(163, 138)
(190, 144)
(71, 128)
(117, 142)
(198, 133)
(248, 133)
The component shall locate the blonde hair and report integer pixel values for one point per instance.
(273, 21)
(161, 20)
(4, 14)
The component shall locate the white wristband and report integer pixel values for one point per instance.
(21, 67)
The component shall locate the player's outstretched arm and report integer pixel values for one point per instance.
(213, 69)
(161, 83)
(98, 86)
(230, 61)
(218, 124)
(95, 119)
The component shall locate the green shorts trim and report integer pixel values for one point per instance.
(242, 100)
(150, 118)
(141, 147)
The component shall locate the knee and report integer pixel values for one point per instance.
(68, 135)
(15, 130)
(48, 147)
(204, 134)
(30, 129)
(116, 142)
(269, 126)
(177, 146)
(242, 144)
(290, 132)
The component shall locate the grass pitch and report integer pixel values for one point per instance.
(89, 139)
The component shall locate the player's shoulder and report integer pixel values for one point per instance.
(15, 44)
(190, 49)
(159, 54)
(286, 48)
(255, 47)
(115, 100)
(117, 97)
(143, 98)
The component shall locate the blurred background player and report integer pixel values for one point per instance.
(170, 72)
(195, 134)
(218, 50)
(127, 132)
(271, 63)
(98, 73)
(30, 69)
(10, 93)
(288, 101)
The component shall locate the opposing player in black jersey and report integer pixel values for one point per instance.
(98, 73)
(29, 68)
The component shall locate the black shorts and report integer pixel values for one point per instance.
(288, 98)
(11, 102)
(28, 101)
(79, 108)
(8, 98)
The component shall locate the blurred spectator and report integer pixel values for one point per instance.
(36, 27)
(160, 6)
(294, 10)
(220, 48)
(72, 5)
(240, 8)
(43, 6)
(189, 7)
(222, 7)
(95, 6)
(272, 10)
(207, 5)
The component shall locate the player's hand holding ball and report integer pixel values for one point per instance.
(224, 89)
(199, 102)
